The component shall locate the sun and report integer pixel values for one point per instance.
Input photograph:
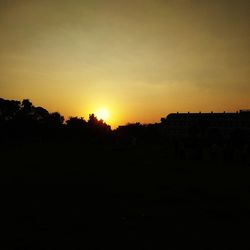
(102, 114)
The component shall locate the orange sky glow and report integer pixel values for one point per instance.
(140, 59)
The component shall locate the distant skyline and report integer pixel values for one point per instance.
(139, 60)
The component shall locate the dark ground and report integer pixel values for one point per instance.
(62, 196)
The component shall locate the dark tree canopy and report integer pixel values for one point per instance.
(24, 120)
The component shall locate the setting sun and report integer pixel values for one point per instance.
(102, 114)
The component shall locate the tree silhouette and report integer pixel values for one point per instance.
(93, 121)
(76, 123)
(41, 114)
(8, 109)
(26, 105)
(55, 119)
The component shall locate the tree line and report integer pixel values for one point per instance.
(21, 120)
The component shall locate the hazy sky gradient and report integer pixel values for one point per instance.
(139, 58)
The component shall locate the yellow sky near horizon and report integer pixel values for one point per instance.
(139, 59)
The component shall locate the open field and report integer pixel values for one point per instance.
(77, 197)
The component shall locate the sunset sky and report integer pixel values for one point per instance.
(139, 59)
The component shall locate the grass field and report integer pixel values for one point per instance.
(66, 196)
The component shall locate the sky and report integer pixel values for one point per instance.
(139, 59)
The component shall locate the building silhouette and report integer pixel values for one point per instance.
(207, 125)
